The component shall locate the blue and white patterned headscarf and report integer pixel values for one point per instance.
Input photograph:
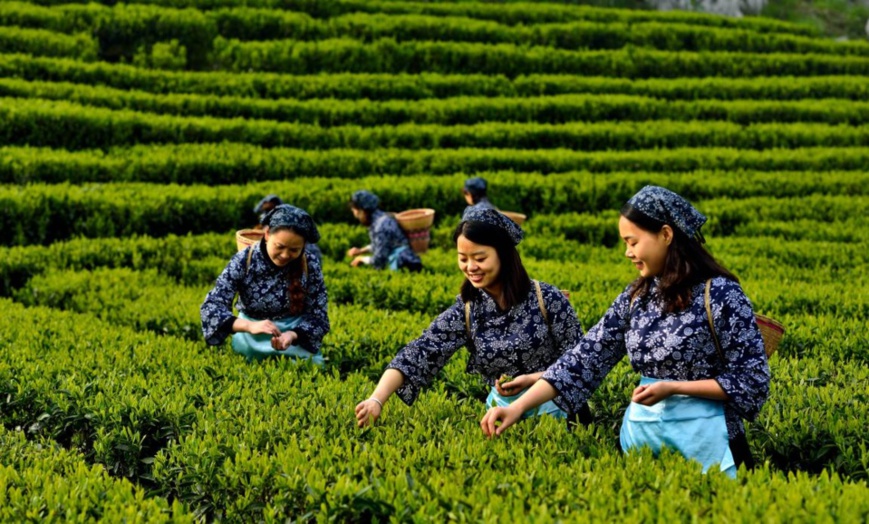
(299, 220)
(273, 199)
(476, 185)
(365, 200)
(494, 218)
(666, 206)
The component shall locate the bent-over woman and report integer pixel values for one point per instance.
(389, 246)
(281, 295)
(511, 325)
(694, 391)
(475, 193)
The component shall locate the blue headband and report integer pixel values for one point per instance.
(494, 218)
(666, 206)
(286, 215)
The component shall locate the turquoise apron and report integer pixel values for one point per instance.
(393, 257)
(693, 426)
(547, 408)
(258, 347)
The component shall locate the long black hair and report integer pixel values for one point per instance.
(296, 269)
(687, 264)
(515, 282)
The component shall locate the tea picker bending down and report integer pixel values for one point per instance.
(475, 191)
(389, 246)
(282, 299)
(691, 396)
(510, 324)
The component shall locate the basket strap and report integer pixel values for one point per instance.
(542, 305)
(249, 254)
(468, 319)
(709, 317)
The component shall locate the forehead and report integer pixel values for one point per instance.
(466, 247)
(629, 229)
(287, 237)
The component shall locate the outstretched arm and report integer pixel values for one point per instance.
(369, 410)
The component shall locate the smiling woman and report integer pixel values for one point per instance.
(692, 393)
(510, 324)
(282, 298)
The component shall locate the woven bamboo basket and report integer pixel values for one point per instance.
(416, 224)
(772, 332)
(247, 237)
(519, 218)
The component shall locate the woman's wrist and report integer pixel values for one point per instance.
(375, 399)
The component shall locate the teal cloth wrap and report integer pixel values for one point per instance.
(259, 347)
(393, 257)
(693, 426)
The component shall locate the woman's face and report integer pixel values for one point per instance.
(645, 249)
(360, 215)
(284, 246)
(480, 264)
(468, 198)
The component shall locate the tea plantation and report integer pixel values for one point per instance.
(135, 139)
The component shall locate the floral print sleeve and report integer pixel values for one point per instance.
(216, 311)
(745, 375)
(423, 358)
(315, 318)
(581, 370)
(563, 325)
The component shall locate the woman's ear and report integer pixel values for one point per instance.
(266, 233)
(667, 234)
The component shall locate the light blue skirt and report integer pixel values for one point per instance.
(393, 257)
(693, 426)
(259, 347)
(547, 408)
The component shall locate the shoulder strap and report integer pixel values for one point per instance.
(249, 254)
(542, 306)
(468, 319)
(709, 317)
(540, 302)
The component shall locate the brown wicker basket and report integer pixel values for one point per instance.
(519, 218)
(772, 332)
(416, 224)
(247, 237)
(415, 219)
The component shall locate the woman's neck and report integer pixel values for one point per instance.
(496, 291)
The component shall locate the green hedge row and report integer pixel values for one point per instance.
(555, 109)
(41, 42)
(122, 28)
(245, 24)
(120, 31)
(40, 481)
(233, 163)
(426, 85)
(511, 13)
(65, 125)
(389, 56)
(43, 214)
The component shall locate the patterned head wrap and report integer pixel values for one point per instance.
(666, 206)
(299, 220)
(494, 218)
(268, 199)
(365, 200)
(476, 185)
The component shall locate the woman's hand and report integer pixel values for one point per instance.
(358, 261)
(367, 412)
(651, 394)
(354, 251)
(284, 340)
(263, 327)
(514, 386)
(508, 416)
